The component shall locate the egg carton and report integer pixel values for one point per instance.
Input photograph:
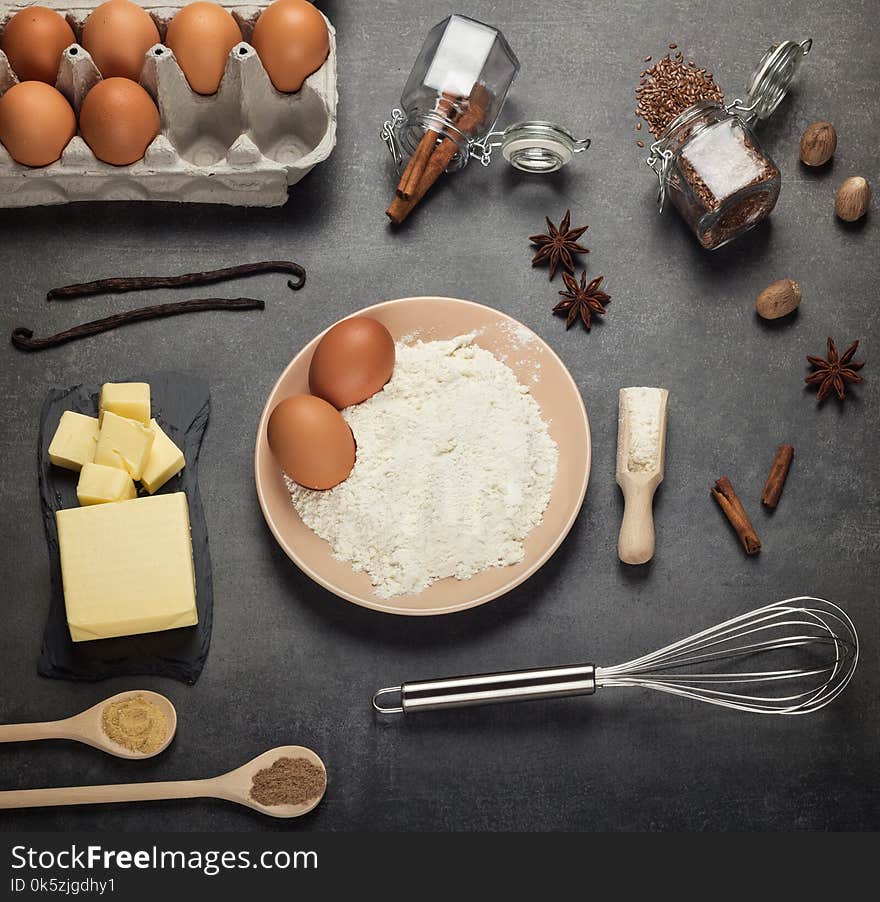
(244, 145)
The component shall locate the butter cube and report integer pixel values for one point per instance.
(100, 485)
(74, 441)
(166, 460)
(127, 567)
(124, 444)
(126, 399)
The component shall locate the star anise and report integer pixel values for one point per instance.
(581, 299)
(832, 372)
(559, 245)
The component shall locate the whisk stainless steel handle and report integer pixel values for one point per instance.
(819, 632)
(490, 688)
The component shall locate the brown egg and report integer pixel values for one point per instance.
(33, 41)
(36, 123)
(292, 41)
(352, 362)
(117, 35)
(311, 442)
(201, 36)
(118, 120)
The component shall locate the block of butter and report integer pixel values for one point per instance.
(124, 444)
(101, 485)
(126, 399)
(127, 567)
(166, 460)
(74, 441)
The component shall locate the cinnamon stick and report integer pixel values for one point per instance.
(778, 474)
(729, 502)
(416, 166)
(471, 118)
(412, 174)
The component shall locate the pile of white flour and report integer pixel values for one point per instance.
(454, 468)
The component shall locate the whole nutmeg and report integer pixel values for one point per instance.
(778, 299)
(853, 199)
(818, 144)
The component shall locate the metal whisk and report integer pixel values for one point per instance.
(809, 647)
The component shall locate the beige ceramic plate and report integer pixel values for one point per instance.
(535, 365)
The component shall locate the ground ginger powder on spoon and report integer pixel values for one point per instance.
(136, 724)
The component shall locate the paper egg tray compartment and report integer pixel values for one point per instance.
(243, 145)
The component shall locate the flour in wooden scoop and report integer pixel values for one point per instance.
(454, 469)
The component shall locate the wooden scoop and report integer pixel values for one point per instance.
(234, 786)
(641, 454)
(86, 727)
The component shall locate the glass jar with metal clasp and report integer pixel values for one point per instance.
(450, 103)
(710, 165)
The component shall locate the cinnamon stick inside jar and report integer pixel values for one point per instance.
(778, 474)
(729, 502)
(436, 151)
(415, 168)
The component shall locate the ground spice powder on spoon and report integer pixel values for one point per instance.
(135, 723)
(289, 781)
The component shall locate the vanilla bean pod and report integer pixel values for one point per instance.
(24, 340)
(185, 280)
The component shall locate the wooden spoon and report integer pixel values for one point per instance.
(234, 786)
(86, 727)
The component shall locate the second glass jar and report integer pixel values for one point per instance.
(717, 176)
(709, 162)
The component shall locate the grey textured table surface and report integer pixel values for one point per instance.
(292, 663)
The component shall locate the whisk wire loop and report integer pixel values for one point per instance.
(822, 627)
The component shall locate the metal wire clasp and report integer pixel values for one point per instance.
(388, 133)
(660, 160)
(482, 150)
(747, 112)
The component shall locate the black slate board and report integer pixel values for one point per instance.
(181, 404)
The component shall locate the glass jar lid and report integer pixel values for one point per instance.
(773, 76)
(539, 146)
(534, 146)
